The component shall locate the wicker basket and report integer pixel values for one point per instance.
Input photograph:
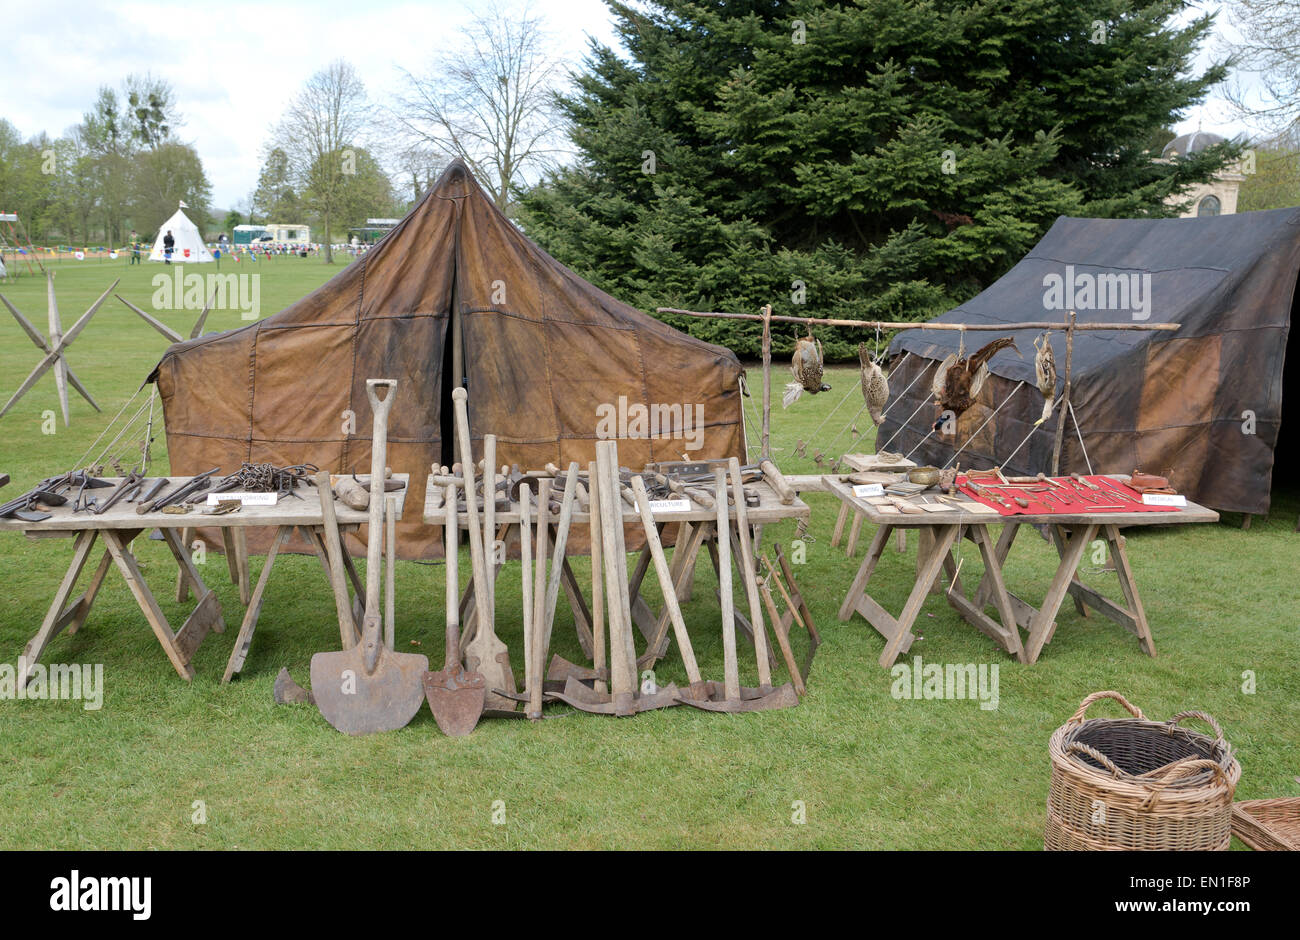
(1132, 784)
(1268, 825)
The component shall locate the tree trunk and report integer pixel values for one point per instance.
(329, 252)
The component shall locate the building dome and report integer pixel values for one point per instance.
(1191, 143)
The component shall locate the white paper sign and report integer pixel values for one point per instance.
(869, 489)
(670, 505)
(248, 499)
(1163, 499)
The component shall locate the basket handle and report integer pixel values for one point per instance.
(1096, 755)
(1218, 732)
(1077, 718)
(1181, 769)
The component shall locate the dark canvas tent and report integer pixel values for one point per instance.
(545, 355)
(1184, 402)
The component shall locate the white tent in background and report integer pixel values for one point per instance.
(189, 247)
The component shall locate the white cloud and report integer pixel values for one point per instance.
(235, 65)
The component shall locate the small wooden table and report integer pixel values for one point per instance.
(698, 530)
(940, 531)
(121, 525)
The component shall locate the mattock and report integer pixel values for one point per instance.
(625, 697)
(733, 697)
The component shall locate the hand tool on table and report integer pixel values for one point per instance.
(183, 491)
(775, 479)
(348, 635)
(370, 688)
(456, 696)
(485, 653)
(149, 493)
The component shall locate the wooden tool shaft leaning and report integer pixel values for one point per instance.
(370, 688)
(485, 653)
(455, 697)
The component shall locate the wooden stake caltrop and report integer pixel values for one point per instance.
(166, 330)
(55, 349)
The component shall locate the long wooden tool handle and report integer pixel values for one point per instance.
(665, 580)
(527, 579)
(622, 673)
(481, 601)
(776, 479)
(451, 549)
(597, 576)
(557, 559)
(334, 555)
(748, 570)
(370, 639)
(490, 520)
(390, 583)
(730, 664)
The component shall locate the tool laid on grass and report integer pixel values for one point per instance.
(456, 697)
(370, 688)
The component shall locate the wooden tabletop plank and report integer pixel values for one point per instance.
(304, 510)
(844, 492)
(768, 510)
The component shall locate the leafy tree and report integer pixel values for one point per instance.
(1275, 182)
(274, 197)
(232, 219)
(320, 133)
(880, 159)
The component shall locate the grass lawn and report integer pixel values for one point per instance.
(871, 770)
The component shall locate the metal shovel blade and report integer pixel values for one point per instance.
(456, 698)
(357, 702)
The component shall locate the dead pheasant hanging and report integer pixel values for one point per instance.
(875, 384)
(959, 380)
(1045, 374)
(806, 364)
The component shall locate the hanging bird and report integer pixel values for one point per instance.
(806, 364)
(875, 384)
(1045, 374)
(959, 380)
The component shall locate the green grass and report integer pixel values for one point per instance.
(873, 772)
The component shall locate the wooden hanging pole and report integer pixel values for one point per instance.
(912, 325)
(766, 451)
(1065, 394)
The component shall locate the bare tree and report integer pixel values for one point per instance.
(1269, 49)
(491, 103)
(320, 132)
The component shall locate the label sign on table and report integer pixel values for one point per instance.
(670, 505)
(869, 489)
(1164, 499)
(248, 499)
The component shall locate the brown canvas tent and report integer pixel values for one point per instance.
(544, 355)
(1203, 403)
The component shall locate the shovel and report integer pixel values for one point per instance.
(455, 696)
(370, 688)
(485, 652)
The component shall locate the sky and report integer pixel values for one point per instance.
(235, 65)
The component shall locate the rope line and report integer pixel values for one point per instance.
(1079, 432)
(1030, 434)
(1012, 395)
(108, 427)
